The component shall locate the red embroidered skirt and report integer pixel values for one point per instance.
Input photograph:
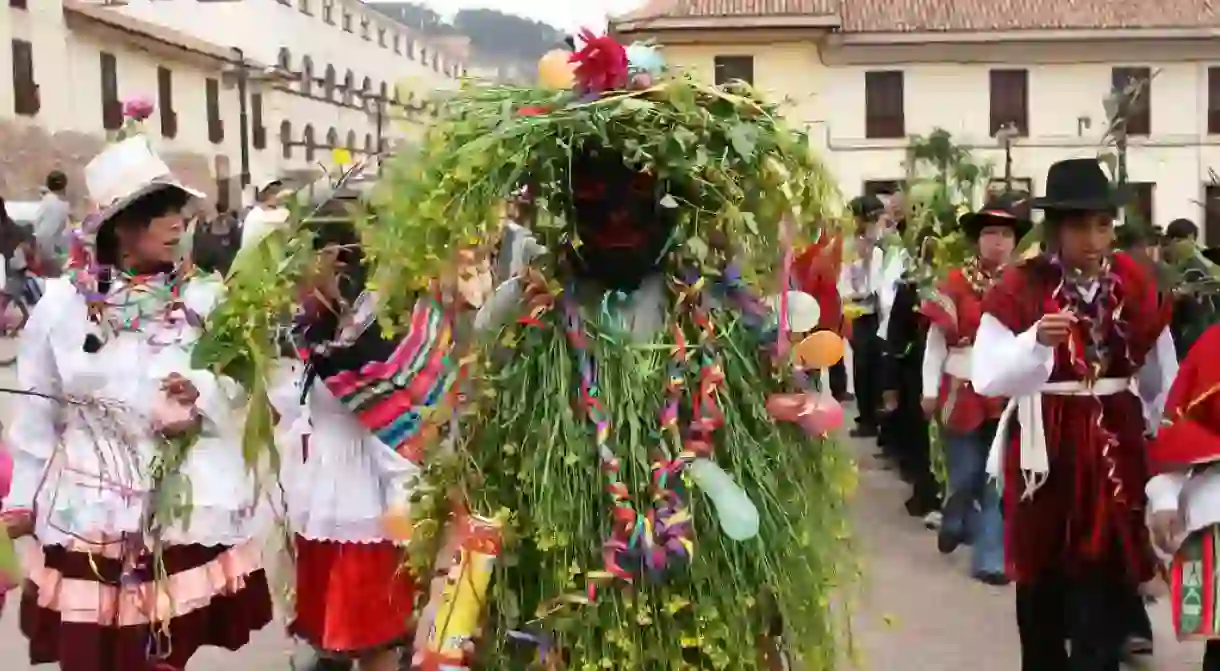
(75, 611)
(352, 597)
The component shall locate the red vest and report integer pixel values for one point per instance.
(956, 310)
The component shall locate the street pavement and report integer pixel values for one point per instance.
(915, 611)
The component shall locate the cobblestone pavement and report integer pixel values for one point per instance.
(917, 610)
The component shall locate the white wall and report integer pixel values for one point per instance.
(260, 28)
(1176, 156)
(947, 86)
(68, 71)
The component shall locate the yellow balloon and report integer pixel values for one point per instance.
(820, 350)
(555, 71)
(397, 525)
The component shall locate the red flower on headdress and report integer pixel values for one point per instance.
(532, 111)
(601, 64)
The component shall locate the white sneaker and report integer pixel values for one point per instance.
(933, 520)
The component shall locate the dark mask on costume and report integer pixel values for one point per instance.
(623, 229)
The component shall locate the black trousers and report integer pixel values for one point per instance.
(838, 381)
(1211, 656)
(866, 367)
(1089, 612)
(1136, 609)
(904, 432)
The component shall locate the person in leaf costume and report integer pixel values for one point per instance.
(654, 514)
(969, 420)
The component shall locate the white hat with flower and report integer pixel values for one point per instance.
(123, 173)
(128, 169)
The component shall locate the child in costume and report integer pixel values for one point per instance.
(350, 451)
(972, 510)
(1065, 335)
(129, 457)
(632, 503)
(353, 598)
(1184, 497)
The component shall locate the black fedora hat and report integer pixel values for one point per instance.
(1009, 208)
(868, 206)
(1079, 184)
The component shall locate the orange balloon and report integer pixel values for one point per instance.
(820, 350)
(397, 525)
(555, 71)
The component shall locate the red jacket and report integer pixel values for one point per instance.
(815, 271)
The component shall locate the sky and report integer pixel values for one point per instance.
(568, 15)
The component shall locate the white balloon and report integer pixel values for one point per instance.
(804, 313)
(735, 511)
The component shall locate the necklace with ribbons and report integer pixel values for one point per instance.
(1097, 304)
(1099, 326)
(131, 301)
(980, 278)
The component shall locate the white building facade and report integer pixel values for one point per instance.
(342, 74)
(73, 65)
(862, 83)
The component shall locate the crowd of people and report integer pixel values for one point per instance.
(600, 511)
(1051, 379)
(32, 252)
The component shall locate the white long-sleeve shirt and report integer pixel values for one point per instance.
(1007, 364)
(859, 280)
(1017, 366)
(891, 275)
(935, 354)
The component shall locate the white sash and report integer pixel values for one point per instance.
(957, 364)
(1035, 464)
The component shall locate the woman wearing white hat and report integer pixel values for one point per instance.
(127, 460)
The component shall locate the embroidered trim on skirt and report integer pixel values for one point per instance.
(75, 612)
(352, 598)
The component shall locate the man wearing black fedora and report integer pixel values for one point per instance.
(860, 283)
(1064, 336)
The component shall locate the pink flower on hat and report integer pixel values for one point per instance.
(138, 109)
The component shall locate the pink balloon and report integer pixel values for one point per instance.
(816, 415)
(787, 407)
(823, 416)
(6, 471)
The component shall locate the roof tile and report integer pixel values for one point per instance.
(684, 9)
(866, 16)
(871, 16)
